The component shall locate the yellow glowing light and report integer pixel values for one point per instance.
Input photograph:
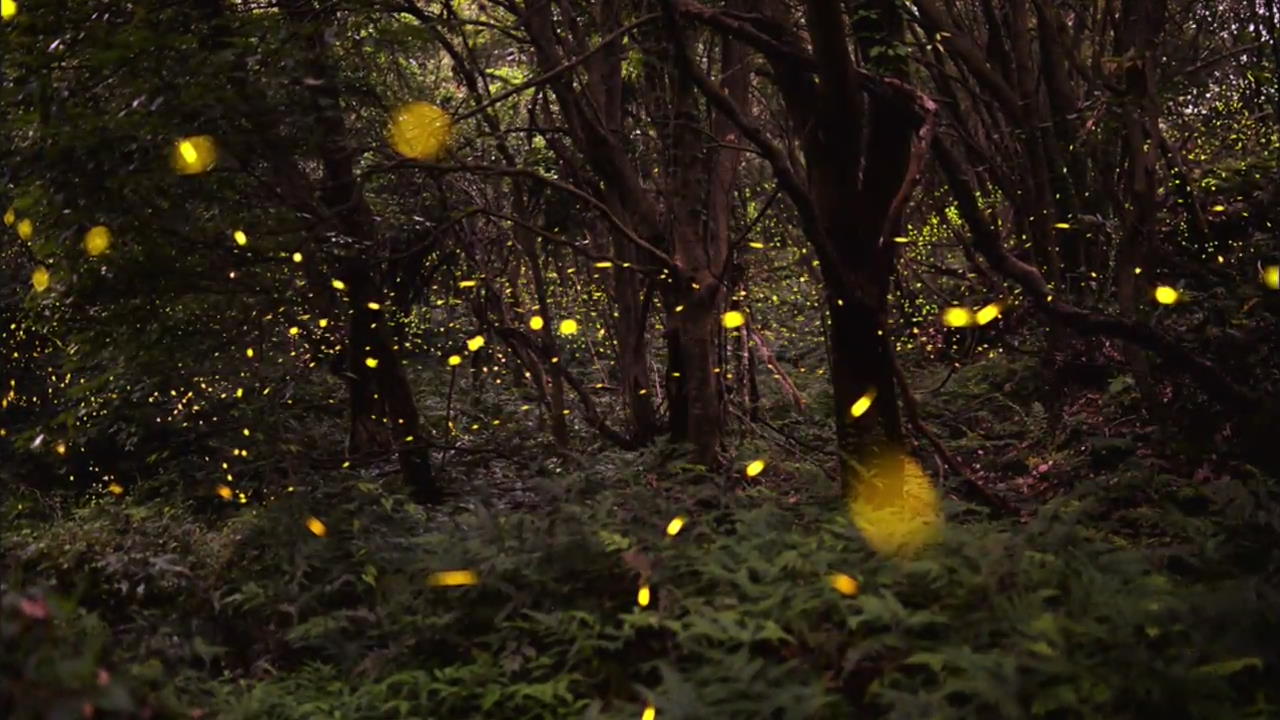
(339, 285)
(864, 403)
(9, 217)
(1166, 295)
(60, 448)
(754, 468)
(568, 327)
(957, 317)
(8, 9)
(844, 584)
(604, 264)
(676, 524)
(734, 319)
(895, 506)
(374, 306)
(248, 352)
(224, 492)
(901, 239)
(452, 578)
(371, 362)
(420, 130)
(40, 278)
(455, 360)
(323, 322)
(97, 240)
(467, 284)
(643, 596)
(115, 489)
(193, 155)
(650, 713)
(316, 527)
(1062, 226)
(536, 322)
(475, 343)
(297, 257)
(25, 228)
(294, 330)
(1219, 208)
(1271, 276)
(987, 313)
(240, 238)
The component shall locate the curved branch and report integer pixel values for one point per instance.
(482, 169)
(987, 242)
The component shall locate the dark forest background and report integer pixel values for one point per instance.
(640, 358)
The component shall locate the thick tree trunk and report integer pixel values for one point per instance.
(383, 412)
(633, 355)
(863, 141)
(379, 390)
(1139, 24)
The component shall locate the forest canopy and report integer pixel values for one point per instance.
(639, 358)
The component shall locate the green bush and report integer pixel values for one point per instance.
(1070, 614)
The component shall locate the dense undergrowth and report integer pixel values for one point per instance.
(1146, 590)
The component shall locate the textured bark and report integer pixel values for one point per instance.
(863, 139)
(383, 412)
(1140, 22)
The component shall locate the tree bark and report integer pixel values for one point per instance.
(383, 412)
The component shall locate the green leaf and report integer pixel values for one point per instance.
(1228, 667)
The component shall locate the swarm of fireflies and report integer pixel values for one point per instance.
(452, 578)
(420, 130)
(895, 506)
(97, 240)
(193, 155)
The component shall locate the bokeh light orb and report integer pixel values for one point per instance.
(420, 131)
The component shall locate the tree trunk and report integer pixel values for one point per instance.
(378, 388)
(1139, 24)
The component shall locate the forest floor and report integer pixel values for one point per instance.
(1136, 579)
